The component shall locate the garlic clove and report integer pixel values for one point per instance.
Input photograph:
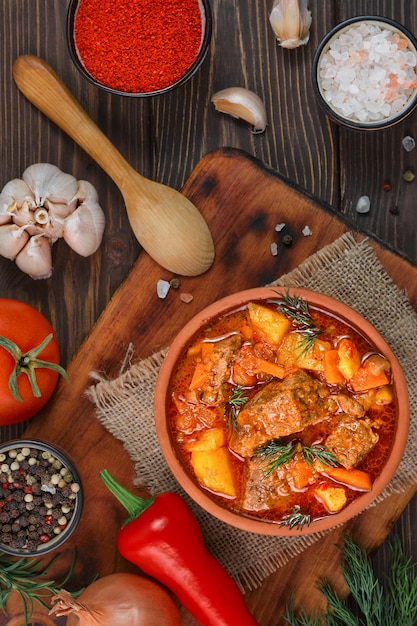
(35, 259)
(49, 184)
(242, 103)
(14, 195)
(84, 228)
(12, 239)
(86, 192)
(291, 21)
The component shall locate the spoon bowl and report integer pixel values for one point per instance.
(166, 224)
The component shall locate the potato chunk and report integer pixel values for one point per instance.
(213, 471)
(270, 325)
(210, 439)
(349, 358)
(333, 498)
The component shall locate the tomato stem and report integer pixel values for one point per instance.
(27, 363)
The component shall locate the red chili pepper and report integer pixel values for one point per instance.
(162, 537)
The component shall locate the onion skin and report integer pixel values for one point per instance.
(119, 599)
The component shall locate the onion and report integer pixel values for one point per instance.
(120, 599)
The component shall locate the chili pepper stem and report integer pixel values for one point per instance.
(134, 505)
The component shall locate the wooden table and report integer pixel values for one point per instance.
(165, 138)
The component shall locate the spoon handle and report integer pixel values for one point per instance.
(44, 88)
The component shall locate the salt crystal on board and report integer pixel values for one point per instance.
(307, 231)
(279, 227)
(274, 249)
(408, 143)
(162, 288)
(363, 204)
(186, 297)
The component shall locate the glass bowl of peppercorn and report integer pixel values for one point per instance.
(40, 498)
(138, 49)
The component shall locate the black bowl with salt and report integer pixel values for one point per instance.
(365, 73)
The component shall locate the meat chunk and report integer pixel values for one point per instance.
(263, 492)
(350, 405)
(351, 440)
(214, 391)
(279, 409)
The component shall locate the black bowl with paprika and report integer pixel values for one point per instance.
(138, 49)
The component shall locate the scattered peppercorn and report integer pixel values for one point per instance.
(394, 209)
(175, 283)
(287, 240)
(387, 186)
(408, 176)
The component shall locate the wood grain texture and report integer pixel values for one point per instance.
(224, 178)
(165, 138)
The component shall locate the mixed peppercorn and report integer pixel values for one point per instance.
(38, 497)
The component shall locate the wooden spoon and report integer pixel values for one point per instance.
(168, 226)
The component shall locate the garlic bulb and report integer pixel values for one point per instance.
(242, 103)
(291, 21)
(47, 204)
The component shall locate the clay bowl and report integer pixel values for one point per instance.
(330, 103)
(202, 496)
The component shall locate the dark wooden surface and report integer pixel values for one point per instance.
(164, 138)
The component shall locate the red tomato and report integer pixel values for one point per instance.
(27, 328)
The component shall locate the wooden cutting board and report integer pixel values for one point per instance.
(242, 203)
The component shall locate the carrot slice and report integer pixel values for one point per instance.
(266, 367)
(302, 474)
(354, 478)
(331, 371)
(200, 376)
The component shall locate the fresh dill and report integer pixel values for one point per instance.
(395, 602)
(297, 310)
(276, 454)
(320, 453)
(236, 401)
(296, 518)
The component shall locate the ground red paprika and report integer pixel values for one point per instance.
(137, 46)
(163, 538)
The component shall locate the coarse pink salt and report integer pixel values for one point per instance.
(368, 73)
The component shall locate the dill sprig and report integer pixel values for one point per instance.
(236, 401)
(318, 452)
(29, 579)
(277, 454)
(297, 310)
(296, 518)
(380, 605)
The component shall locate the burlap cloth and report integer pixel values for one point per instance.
(346, 270)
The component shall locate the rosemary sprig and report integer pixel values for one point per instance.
(380, 605)
(28, 578)
(236, 400)
(276, 454)
(296, 309)
(296, 518)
